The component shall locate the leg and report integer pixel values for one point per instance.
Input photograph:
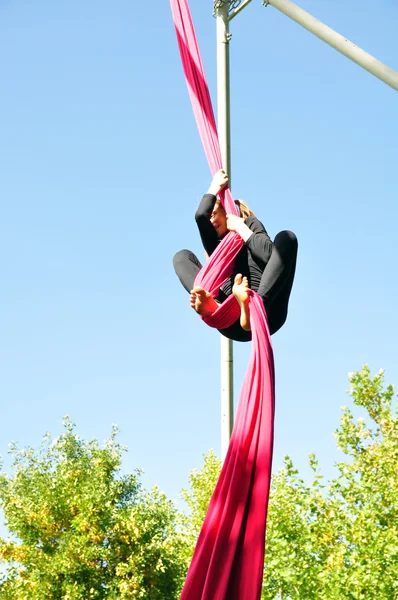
(241, 291)
(186, 266)
(277, 279)
(202, 301)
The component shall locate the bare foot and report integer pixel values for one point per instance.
(202, 301)
(241, 290)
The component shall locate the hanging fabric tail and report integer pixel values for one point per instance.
(228, 561)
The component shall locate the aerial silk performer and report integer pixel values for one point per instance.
(228, 561)
(261, 265)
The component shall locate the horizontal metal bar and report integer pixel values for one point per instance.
(337, 41)
(237, 10)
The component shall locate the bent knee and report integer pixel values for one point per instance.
(286, 238)
(180, 257)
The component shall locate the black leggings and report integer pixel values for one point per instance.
(275, 285)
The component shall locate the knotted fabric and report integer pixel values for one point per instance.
(228, 561)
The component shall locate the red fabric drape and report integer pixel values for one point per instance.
(228, 560)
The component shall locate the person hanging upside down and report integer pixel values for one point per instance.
(261, 265)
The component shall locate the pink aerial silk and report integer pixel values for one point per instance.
(228, 561)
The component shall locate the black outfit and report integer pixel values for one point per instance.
(269, 267)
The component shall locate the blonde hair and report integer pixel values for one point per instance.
(244, 209)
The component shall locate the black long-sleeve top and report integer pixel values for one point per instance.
(252, 257)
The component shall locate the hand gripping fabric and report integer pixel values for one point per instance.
(228, 561)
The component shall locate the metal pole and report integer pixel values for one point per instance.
(223, 104)
(337, 41)
(238, 10)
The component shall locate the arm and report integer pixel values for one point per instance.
(253, 233)
(235, 223)
(202, 216)
(259, 244)
(207, 232)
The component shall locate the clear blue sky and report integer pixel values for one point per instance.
(101, 172)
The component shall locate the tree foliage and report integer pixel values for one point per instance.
(339, 540)
(80, 531)
(197, 498)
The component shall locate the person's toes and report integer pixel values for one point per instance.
(199, 291)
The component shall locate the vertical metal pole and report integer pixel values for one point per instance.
(223, 104)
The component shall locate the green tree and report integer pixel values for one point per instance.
(83, 532)
(335, 540)
(197, 498)
(339, 540)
